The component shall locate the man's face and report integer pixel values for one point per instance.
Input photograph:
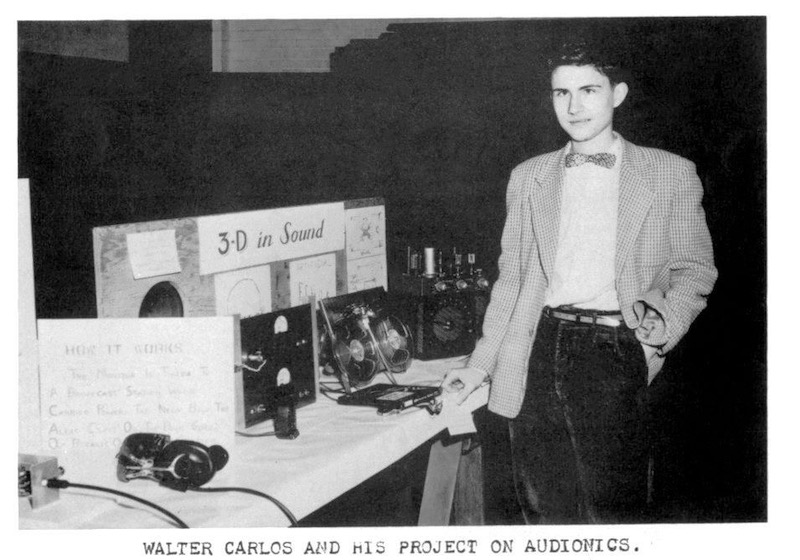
(584, 101)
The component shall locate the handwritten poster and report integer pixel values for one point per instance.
(103, 379)
(315, 276)
(233, 241)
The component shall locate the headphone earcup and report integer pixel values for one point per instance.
(183, 467)
(137, 451)
(186, 461)
(219, 456)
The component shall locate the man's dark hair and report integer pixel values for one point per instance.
(583, 53)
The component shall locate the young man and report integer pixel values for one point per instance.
(606, 261)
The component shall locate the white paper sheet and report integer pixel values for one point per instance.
(366, 273)
(153, 253)
(314, 276)
(103, 379)
(246, 292)
(366, 235)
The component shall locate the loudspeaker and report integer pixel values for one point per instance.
(362, 338)
(185, 463)
(444, 324)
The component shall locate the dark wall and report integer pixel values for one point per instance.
(432, 117)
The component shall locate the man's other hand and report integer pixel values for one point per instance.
(463, 381)
(651, 330)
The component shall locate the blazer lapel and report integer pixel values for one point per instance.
(545, 200)
(635, 198)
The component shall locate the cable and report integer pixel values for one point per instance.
(327, 394)
(262, 434)
(59, 483)
(326, 390)
(283, 508)
(255, 370)
(327, 386)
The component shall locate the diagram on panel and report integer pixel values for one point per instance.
(365, 232)
(246, 292)
(314, 276)
(369, 272)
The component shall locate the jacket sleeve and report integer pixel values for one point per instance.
(690, 269)
(506, 289)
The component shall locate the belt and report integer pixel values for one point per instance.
(613, 319)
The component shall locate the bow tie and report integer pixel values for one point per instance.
(603, 159)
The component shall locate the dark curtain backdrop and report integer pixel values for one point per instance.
(432, 117)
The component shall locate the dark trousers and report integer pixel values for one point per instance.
(579, 445)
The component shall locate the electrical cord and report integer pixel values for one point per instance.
(283, 508)
(262, 434)
(327, 393)
(331, 386)
(59, 483)
(326, 390)
(254, 370)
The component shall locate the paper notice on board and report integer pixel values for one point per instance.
(246, 292)
(366, 235)
(366, 273)
(315, 276)
(103, 379)
(153, 253)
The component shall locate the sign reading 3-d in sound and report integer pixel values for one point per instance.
(234, 241)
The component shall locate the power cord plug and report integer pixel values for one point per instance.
(33, 470)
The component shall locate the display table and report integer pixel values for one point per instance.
(338, 448)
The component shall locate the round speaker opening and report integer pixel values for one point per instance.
(162, 300)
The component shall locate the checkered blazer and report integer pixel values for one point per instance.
(664, 258)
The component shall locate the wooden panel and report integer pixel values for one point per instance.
(440, 483)
(468, 500)
(120, 295)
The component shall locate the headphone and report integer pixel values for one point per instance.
(179, 464)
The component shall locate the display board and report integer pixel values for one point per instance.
(28, 357)
(245, 264)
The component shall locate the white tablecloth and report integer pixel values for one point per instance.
(338, 448)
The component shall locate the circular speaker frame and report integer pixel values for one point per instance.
(162, 300)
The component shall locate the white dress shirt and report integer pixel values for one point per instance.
(583, 275)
